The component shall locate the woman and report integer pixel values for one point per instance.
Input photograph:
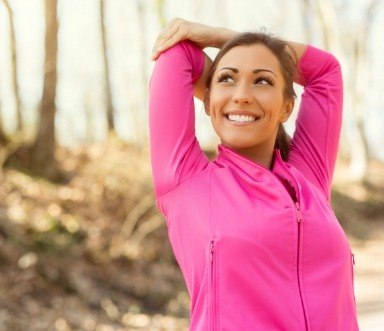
(253, 231)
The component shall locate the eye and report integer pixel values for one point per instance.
(264, 80)
(226, 78)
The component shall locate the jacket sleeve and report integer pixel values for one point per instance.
(175, 152)
(315, 142)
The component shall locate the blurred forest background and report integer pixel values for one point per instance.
(82, 246)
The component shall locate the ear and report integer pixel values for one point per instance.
(287, 110)
(206, 102)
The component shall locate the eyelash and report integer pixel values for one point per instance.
(223, 77)
(267, 79)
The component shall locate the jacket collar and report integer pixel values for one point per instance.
(228, 156)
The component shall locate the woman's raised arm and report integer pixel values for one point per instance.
(179, 73)
(314, 147)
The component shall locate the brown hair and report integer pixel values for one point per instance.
(287, 64)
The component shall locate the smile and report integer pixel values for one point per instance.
(241, 119)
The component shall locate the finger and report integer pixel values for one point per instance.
(172, 37)
(177, 37)
(168, 30)
(165, 35)
(159, 38)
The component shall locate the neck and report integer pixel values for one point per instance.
(258, 156)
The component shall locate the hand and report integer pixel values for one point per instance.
(179, 29)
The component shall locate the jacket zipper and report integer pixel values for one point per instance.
(212, 302)
(300, 220)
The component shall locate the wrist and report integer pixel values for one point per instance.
(223, 35)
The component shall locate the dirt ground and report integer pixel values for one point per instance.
(360, 209)
(369, 283)
(92, 253)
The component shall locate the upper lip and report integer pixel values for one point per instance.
(242, 112)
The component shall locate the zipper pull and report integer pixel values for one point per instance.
(298, 212)
(353, 259)
(211, 246)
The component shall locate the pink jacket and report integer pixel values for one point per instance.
(259, 249)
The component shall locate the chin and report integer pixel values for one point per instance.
(238, 144)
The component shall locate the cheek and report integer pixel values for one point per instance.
(269, 96)
(217, 99)
(272, 104)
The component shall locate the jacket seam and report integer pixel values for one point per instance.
(182, 163)
(187, 179)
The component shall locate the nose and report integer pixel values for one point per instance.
(243, 94)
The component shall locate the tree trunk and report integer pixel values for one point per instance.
(110, 110)
(88, 118)
(340, 43)
(160, 12)
(143, 68)
(3, 137)
(306, 16)
(14, 76)
(43, 150)
(360, 69)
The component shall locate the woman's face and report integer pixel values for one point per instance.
(246, 100)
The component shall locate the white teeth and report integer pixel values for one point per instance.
(241, 118)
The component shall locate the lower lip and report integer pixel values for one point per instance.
(240, 123)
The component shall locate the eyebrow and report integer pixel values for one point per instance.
(255, 71)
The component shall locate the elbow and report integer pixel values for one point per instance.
(331, 74)
(334, 66)
(334, 61)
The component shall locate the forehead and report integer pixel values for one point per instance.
(250, 57)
